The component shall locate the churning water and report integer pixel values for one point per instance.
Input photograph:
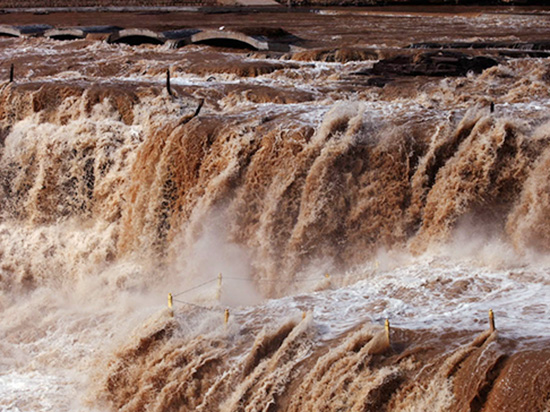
(328, 205)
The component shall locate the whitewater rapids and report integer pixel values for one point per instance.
(421, 205)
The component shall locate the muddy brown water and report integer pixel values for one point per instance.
(330, 199)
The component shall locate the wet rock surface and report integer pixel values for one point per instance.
(437, 64)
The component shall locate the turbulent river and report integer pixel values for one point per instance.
(328, 199)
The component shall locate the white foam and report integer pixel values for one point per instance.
(435, 294)
(36, 391)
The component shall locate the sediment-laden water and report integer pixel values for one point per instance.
(328, 202)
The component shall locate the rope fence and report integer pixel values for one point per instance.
(326, 277)
(183, 302)
(195, 287)
(220, 278)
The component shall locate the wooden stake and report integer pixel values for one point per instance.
(197, 111)
(387, 328)
(491, 320)
(199, 107)
(168, 88)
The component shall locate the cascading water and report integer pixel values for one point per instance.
(418, 202)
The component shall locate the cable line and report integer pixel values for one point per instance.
(195, 287)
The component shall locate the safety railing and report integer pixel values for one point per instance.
(220, 278)
(175, 298)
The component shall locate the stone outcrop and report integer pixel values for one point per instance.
(437, 63)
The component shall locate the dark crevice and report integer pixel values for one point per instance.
(227, 43)
(269, 345)
(138, 40)
(480, 399)
(446, 151)
(64, 37)
(381, 395)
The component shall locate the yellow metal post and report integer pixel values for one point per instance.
(491, 320)
(226, 317)
(387, 328)
(219, 291)
(170, 303)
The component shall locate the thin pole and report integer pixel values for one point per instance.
(226, 317)
(170, 304)
(491, 320)
(168, 88)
